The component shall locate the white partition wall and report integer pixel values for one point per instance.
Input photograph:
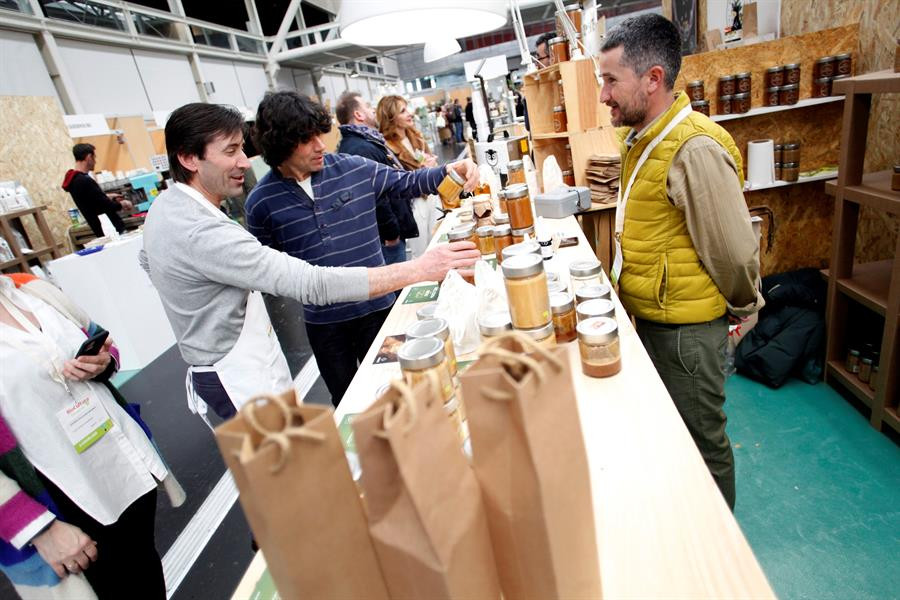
(224, 78)
(252, 79)
(22, 70)
(167, 79)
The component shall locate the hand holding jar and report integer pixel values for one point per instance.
(434, 264)
(468, 170)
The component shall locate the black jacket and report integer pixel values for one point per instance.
(91, 201)
(395, 218)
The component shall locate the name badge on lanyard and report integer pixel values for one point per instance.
(84, 419)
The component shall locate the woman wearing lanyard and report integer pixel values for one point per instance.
(79, 473)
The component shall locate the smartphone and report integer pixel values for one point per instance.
(568, 241)
(93, 345)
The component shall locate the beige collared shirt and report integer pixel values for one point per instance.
(703, 182)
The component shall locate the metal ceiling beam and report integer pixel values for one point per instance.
(278, 42)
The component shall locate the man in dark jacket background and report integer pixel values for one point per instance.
(360, 136)
(88, 197)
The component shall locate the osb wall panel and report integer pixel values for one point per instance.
(35, 149)
(756, 58)
(133, 153)
(158, 137)
(879, 27)
(817, 128)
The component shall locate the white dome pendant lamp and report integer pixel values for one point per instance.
(439, 48)
(407, 22)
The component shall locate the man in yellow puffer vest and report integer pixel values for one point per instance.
(686, 255)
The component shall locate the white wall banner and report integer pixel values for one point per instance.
(85, 125)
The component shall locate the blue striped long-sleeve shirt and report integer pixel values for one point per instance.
(338, 228)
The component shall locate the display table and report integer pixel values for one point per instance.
(663, 529)
(113, 289)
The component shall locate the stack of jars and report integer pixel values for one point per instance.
(828, 69)
(787, 161)
(734, 93)
(782, 85)
(697, 95)
(863, 362)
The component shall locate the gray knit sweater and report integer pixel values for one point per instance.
(203, 267)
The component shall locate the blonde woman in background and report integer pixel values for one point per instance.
(397, 124)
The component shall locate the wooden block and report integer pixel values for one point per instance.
(750, 23)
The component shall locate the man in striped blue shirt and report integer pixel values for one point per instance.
(321, 208)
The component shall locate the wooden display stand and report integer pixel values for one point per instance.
(22, 259)
(589, 132)
(874, 285)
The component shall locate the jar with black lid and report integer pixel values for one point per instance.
(742, 82)
(823, 67)
(701, 106)
(790, 172)
(774, 76)
(790, 152)
(771, 97)
(789, 94)
(791, 73)
(560, 122)
(695, 90)
(726, 85)
(843, 64)
(777, 152)
(724, 105)
(740, 103)
(821, 88)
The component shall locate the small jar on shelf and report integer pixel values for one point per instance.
(560, 122)
(824, 67)
(726, 85)
(701, 106)
(743, 82)
(725, 107)
(843, 64)
(790, 152)
(695, 90)
(774, 76)
(789, 94)
(559, 50)
(790, 172)
(852, 363)
(821, 88)
(791, 73)
(772, 96)
(740, 103)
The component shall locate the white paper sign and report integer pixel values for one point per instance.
(86, 125)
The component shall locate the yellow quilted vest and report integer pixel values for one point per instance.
(662, 279)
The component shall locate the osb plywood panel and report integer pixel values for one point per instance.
(35, 149)
(756, 58)
(879, 28)
(803, 221)
(817, 128)
(158, 137)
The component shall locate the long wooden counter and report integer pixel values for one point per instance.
(663, 529)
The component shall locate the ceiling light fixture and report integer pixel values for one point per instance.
(405, 22)
(439, 48)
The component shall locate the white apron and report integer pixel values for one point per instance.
(255, 365)
(623, 194)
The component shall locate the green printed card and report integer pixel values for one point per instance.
(422, 293)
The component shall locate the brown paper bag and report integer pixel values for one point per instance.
(426, 515)
(300, 499)
(529, 457)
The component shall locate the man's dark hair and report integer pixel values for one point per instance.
(544, 39)
(647, 40)
(191, 127)
(283, 121)
(82, 151)
(346, 104)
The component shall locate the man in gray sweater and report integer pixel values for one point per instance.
(208, 269)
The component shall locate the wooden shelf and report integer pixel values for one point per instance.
(550, 136)
(777, 184)
(869, 285)
(21, 212)
(10, 263)
(874, 191)
(763, 110)
(551, 70)
(879, 82)
(850, 381)
(891, 418)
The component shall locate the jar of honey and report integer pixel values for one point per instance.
(485, 239)
(599, 307)
(790, 152)
(463, 233)
(421, 357)
(545, 335)
(724, 105)
(821, 88)
(843, 64)
(790, 171)
(450, 188)
(519, 235)
(743, 82)
(701, 106)
(526, 290)
(518, 203)
(515, 172)
(695, 90)
(823, 67)
(775, 76)
(438, 329)
(789, 94)
(598, 344)
(563, 308)
(791, 74)
(494, 324)
(523, 247)
(591, 292)
(501, 201)
(583, 273)
(771, 97)
(740, 103)
(502, 239)
(560, 122)
(559, 50)
(726, 85)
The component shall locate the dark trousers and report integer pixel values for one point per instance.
(340, 347)
(209, 387)
(690, 360)
(127, 564)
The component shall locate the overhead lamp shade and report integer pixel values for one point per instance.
(440, 48)
(406, 22)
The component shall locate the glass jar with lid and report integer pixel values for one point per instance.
(515, 172)
(772, 97)
(450, 188)
(485, 239)
(790, 152)
(559, 50)
(545, 336)
(519, 235)
(740, 103)
(523, 247)
(463, 233)
(493, 324)
(556, 287)
(598, 344)
(843, 63)
(591, 292)
(695, 90)
(725, 107)
(701, 106)
(790, 171)
(426, 312)
(526, 291)
(789, 94)
(743, 83)
(585, 272)
(791, 73)
(423, 358)
(501, 203)
(775, 76)
(598, 307)
(823, 67)
(562, 306)
(821, 88)
(518, 204)
(502, 239)
(727, 85)
(439, 329)
(568, 177)
(560, 121)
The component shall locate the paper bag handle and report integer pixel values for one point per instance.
(280, 438)
(406, 397)
(510, 358)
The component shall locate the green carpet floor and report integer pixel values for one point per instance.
(818, 491)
